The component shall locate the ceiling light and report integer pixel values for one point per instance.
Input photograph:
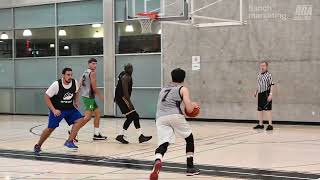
(129, 28)
(62, 32)
(66, 47)
(27, 32)
(96, 25)
(51, 45)
(4, 36)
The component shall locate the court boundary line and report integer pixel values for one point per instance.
(207, 170)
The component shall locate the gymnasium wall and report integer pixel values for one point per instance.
(18, 3)
(277, 31)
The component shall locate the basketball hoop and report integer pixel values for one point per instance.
(146, 20)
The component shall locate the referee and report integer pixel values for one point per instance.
(264, 92)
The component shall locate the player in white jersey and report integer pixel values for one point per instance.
(170, 120)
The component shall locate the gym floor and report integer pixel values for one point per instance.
(223, 151)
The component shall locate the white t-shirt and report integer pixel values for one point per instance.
(54, 88)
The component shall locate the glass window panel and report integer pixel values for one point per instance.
(146, 69)
(120, 8)
(6, 19)
(6, 74)
(35, 42)
(30, 101)
(80, 12)
(34, 16)
(79, 65)
(6, 44)
(146, 108)
(40, 72)
(80, 40)
(7, 101)
(129, 38)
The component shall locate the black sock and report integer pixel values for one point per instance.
(190, 162)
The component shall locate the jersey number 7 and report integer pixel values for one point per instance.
(165, 96)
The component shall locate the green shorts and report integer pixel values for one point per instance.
(89, 104)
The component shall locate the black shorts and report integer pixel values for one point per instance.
(123, 104)
(263, 103)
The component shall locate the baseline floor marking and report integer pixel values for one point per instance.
(207, 170)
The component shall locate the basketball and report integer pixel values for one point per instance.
(194, 113)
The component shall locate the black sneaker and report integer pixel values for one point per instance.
(269, 128)
(76, 138)
(99, 137)
(259, 127)
(143, 138)
(121, 139)
(193, 171)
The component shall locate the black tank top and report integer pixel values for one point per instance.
(64, 99)
(119, 89)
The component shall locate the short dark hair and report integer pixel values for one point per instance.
(127, 67)
(91, 60)
(65, 70)
(178, 75)
(264, 62)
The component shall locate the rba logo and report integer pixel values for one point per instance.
(303, 12)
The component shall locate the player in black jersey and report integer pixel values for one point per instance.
(122, 98)
(62, 101)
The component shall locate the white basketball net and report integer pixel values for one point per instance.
(146, 26)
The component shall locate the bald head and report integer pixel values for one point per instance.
(128, 68)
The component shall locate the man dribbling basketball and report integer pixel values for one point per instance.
(170, 119)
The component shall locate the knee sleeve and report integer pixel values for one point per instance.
(162, 149)
(190, 143)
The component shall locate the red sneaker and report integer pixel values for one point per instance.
(156, 170)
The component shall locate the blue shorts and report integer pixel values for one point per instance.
(71, 116)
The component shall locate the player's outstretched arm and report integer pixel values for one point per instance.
(93, 78)
(186, 99)
(51, 91)
(77, 95)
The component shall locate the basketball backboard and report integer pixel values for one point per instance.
(169, 10)
(197, 13)
(215, 13)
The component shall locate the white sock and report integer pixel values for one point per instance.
(139, 131)
(159, 156)
(189, 155)
(96, 131)
(123, 132)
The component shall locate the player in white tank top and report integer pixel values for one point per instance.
(89, 91)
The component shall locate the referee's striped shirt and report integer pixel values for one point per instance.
(264, 81)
